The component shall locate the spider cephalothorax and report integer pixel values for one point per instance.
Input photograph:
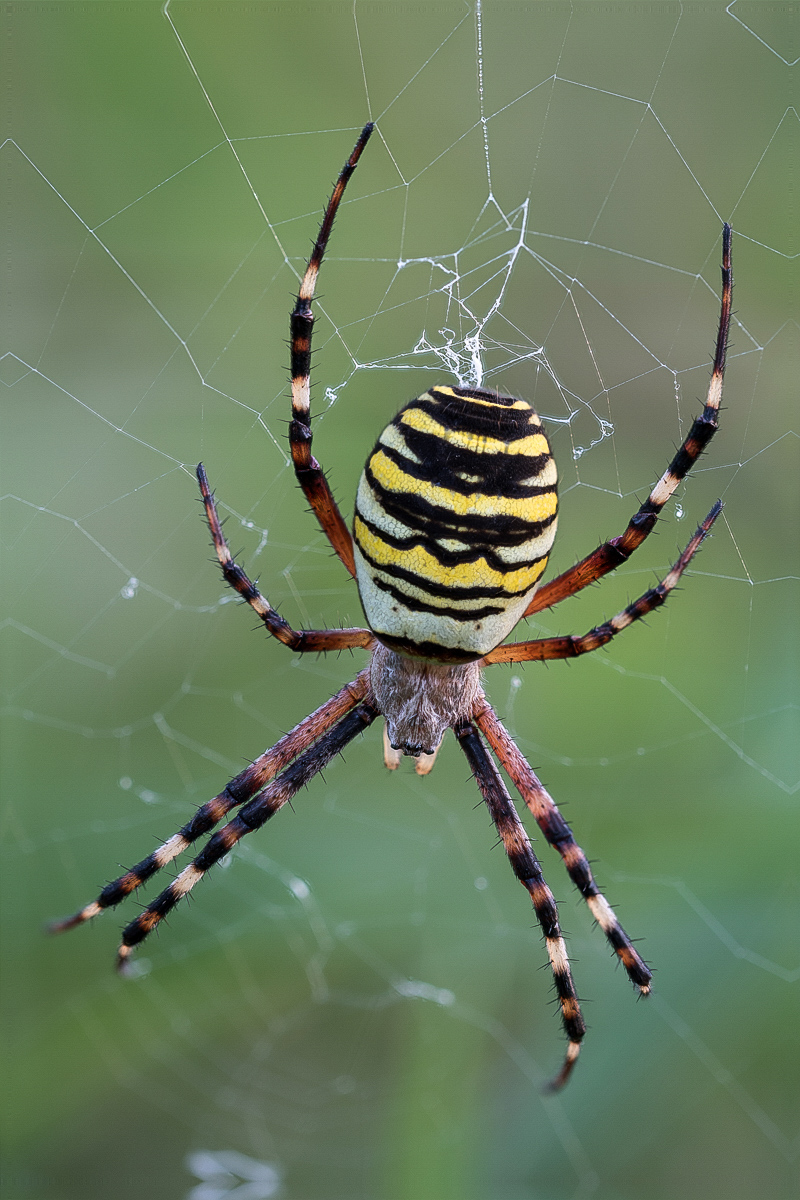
(421, 699)
(454, 521)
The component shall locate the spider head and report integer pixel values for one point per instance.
(421, 699)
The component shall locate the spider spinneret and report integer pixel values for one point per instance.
(454, 521)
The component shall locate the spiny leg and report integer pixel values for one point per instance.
(249, 818)
(619, 549)
(559, 835)
(572, 646)
(299, 640)
(309, 473)
(527, 870)
(240, 789)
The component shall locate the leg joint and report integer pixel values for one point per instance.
(299, 432)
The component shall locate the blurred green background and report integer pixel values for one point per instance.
(356, 997)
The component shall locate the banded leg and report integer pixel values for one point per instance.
(309, 473)
(619, 549)
(249, 818)
(572, 646)
(559, 835)
(299, 640)
(240, 789)
(527, 870)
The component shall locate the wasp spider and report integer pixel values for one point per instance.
(454, 521)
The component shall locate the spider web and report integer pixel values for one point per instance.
(351, 1004)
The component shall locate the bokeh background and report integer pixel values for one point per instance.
(353, 1004)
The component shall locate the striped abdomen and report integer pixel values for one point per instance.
(454, 519)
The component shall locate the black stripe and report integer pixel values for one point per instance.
(508, 424)
(476, 394)
(444, 464)
(495, 399)
(446, 591)
(300, 327)
(436, 521)
(433, 650)
(447, 558)
(413, 603)
(701, 433)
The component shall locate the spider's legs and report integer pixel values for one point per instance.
(241, 789)
(251, 816)
(300, 640)
(571, 646)
(559, 835)
(527, 870)
(309, 473)
(616, 551)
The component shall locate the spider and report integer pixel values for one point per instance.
(455, 517)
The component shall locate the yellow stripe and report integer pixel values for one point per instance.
(370, 509)
(422, 563)
(393, 438)
(532, 508)
(448, 391)
(532, 445)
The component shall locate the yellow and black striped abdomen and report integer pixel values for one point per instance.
(454, 520)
